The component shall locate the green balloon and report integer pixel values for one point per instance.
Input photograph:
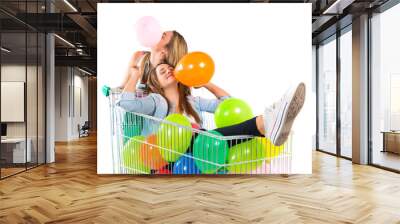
(173, 139)
(131, 156)
(132, 125)
(210, 149)
(241, 158)
(232, 111)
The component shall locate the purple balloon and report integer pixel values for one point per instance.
(148, 31)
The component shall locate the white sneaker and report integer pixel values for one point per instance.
(279, 118)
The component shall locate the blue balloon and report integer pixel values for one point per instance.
(185, 165)
(222, 171)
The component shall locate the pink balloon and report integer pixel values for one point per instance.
(148, 31)
(274, 166)
(263, 169)
(196, 126)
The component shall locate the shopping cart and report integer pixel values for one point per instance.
(143, 144)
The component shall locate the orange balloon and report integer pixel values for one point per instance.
(195, 69)
(150, 154)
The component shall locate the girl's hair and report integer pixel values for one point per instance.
(184, 93)
(176, 48)
(145, 67)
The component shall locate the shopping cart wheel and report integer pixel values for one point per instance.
(106, 90)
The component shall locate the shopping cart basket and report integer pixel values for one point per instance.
(143, 144)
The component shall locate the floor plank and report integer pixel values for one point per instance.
(70, 191)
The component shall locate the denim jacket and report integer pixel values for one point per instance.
(157, 106)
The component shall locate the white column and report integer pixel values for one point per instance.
(50, 92)
(360, 90)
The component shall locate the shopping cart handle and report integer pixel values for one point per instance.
(106, 90)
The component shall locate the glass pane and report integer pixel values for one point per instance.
(394, 102)
(31, 97)
(13, 86)
(327, 96)
(31, 85)
(386, 89)
(23, 90)
(41, 98)
(346, 94)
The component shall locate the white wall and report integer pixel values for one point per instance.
(61, 103)
(80, 84)
(70, 83)
(12, 73)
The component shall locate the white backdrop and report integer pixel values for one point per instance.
(258, 50)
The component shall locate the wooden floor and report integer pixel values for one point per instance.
(70, 191)
(10, 171)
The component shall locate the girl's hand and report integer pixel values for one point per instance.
(216, 90)
(135, 72)
(133, 62)
(205, 86)
(135, 76)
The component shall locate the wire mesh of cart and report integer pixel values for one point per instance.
(143, 144)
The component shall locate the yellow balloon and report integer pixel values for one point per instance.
(250, 155)
(246, 156)
(271, 149)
